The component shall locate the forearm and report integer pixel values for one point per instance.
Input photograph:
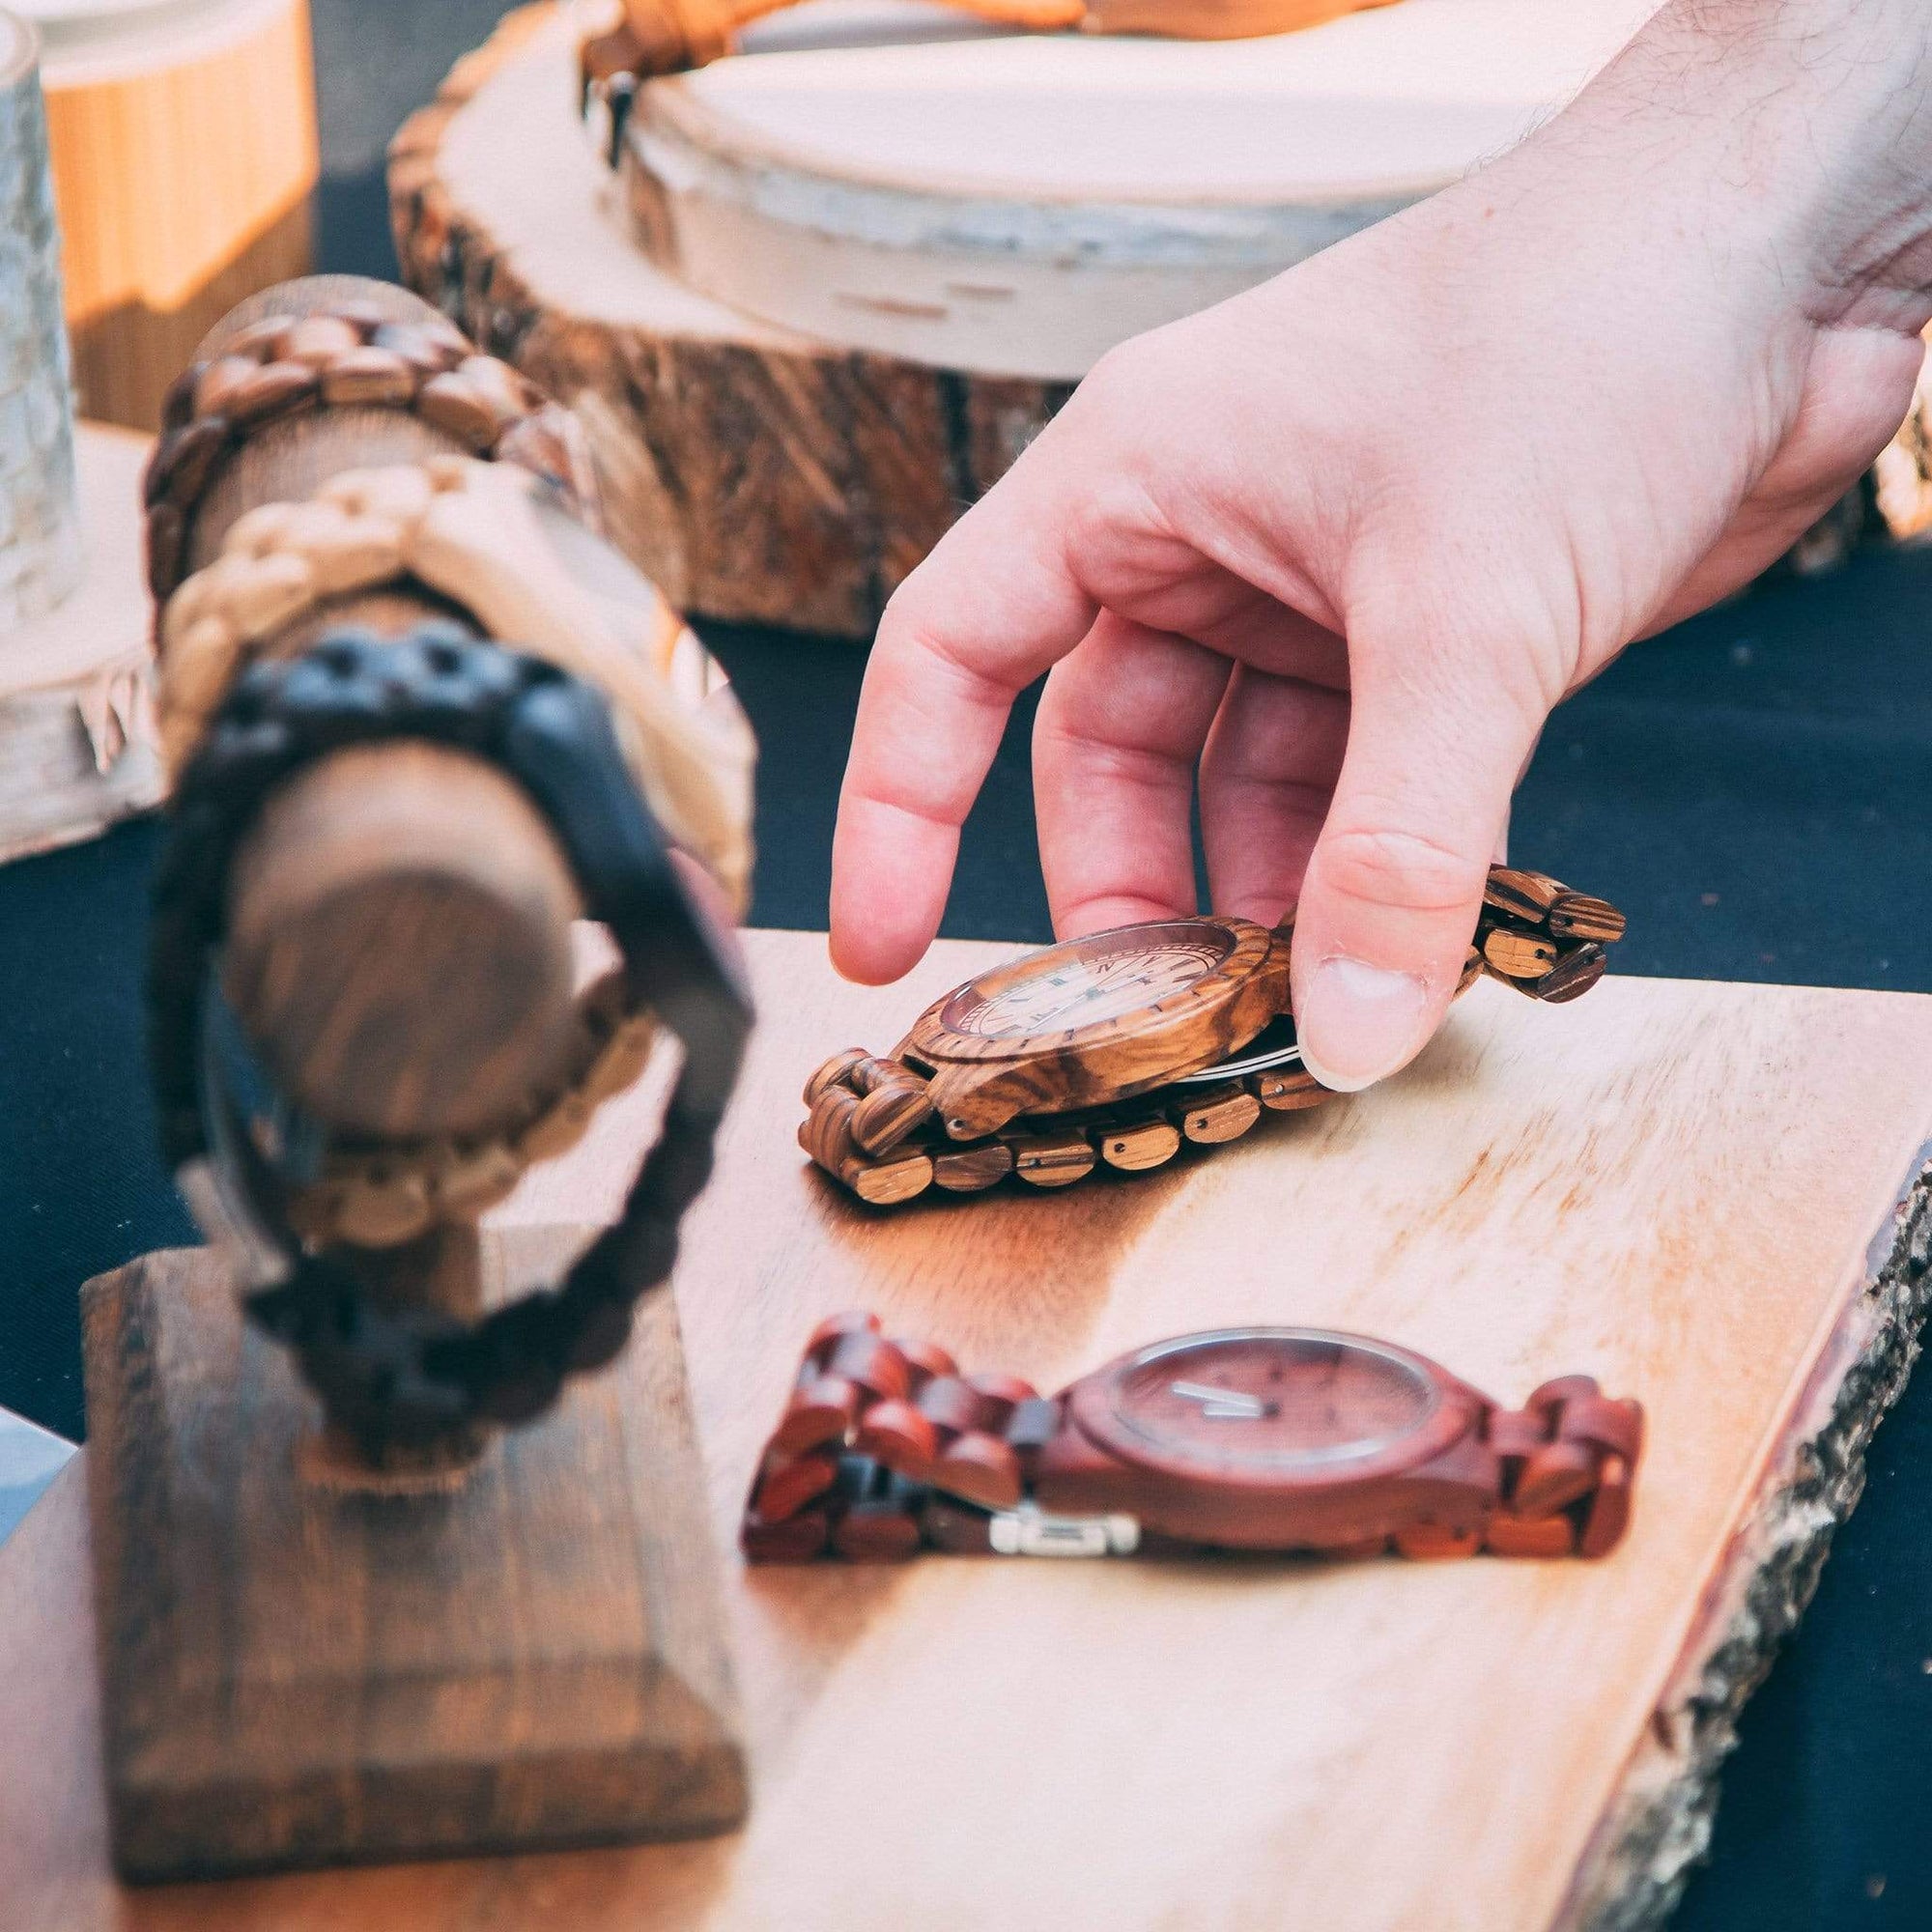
(1794, 136)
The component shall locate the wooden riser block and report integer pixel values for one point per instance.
(296, 1674)
(77, 747)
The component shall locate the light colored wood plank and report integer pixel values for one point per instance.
(1688, 1190)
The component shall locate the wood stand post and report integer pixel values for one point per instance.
(497, 1645)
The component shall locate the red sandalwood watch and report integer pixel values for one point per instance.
(1238, 1438)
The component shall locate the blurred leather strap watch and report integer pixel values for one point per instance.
(1117, 1048)
(1238, 1438)
(649, 39)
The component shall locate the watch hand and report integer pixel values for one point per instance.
(1221, 1403)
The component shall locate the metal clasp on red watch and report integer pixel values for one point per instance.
(1031, 1531)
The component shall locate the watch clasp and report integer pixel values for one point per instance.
(1030, 1531)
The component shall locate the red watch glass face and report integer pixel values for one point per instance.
(1087, 980)
(1270, 1400)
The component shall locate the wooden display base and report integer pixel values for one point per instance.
(77, 746)
(1708, 1196)
(305, 1664)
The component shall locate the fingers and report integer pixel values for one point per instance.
(1267, 777)
(1120, 728)
(991, 609)
(1396, 879)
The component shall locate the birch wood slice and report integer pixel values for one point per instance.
(1016, 205)
(77, 746)
(1711, 1197)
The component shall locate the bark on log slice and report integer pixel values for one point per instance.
(761, 475)
(753, 474)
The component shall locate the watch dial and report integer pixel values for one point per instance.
(1271, 1398)
(1088, 981)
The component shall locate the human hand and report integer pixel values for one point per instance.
(1335, 547)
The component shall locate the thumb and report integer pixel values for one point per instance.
(1395, 884)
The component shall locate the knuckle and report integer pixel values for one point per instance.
(1408, 871)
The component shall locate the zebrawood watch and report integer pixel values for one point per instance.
(1238, 1438)
(1118, 1047)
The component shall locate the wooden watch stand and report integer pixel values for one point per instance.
(306, 1660)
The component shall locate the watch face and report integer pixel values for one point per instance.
(1088, 981)
(1270, 1400)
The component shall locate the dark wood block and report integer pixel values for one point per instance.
(298, 1672)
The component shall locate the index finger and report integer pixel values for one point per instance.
(990, 610)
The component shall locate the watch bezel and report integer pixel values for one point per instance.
(932, 1041)
(1094, 1405)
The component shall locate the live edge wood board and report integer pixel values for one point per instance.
(1709, 1196)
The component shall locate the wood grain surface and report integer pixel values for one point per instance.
(184, 155)
(1690, 1192)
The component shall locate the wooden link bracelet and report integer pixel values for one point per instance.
(348, 355)
(473, 532)
(886, 1448)
(409, 1376)
(870, 1124)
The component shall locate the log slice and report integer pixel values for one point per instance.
(755, 475)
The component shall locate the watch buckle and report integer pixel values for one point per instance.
(1030, 1531)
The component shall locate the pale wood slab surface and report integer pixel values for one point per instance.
(1690, 1190)
(1387, 101)
(1016, 206)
